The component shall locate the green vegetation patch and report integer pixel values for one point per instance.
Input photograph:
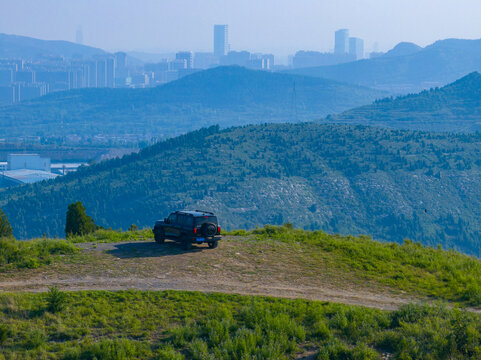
(108, 236)
(409, 266)
(341, 179)
(188, 325)
(15, 254)
(31, 254)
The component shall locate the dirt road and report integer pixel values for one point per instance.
(236, 266)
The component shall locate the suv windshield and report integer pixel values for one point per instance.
(205, 219)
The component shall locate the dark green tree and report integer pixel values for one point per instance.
(5, 227)
(78, 222)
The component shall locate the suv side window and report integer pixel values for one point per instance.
(181, 219)
(189, 221)
(173, 219)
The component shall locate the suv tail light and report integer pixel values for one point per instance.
(218, 229)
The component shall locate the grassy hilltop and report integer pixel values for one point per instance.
(409, 267)
(192, 325)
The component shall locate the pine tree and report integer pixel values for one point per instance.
(5, 227)
(78, 222)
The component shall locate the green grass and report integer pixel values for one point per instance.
(178, 325)
(38, 252)
(32, 254)
(108, 236)
(410, 266)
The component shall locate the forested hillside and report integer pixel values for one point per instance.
(455, 107)
(391, 184)
(226, 96)
(407, 69)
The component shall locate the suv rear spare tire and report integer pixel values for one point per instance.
(208, 229)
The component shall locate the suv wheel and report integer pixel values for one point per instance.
(159, 236)
(186, 243)
(212, 245)
(208, 229)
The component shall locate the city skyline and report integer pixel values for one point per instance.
(263, 27)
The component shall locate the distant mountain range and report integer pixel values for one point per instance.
(227, 96)
(454, 107)
(407, 68)
(23, 47)
(403, 49)
(393, 184)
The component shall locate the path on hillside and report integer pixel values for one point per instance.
(236, 266)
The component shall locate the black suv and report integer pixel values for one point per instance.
(189, 227)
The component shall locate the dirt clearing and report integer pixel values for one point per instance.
(238, 265)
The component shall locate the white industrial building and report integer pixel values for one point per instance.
(24, 169)
(28, 161)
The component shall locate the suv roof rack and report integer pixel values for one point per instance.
(206, 212)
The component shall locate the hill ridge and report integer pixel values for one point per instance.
(12, 45)
(340, 178)
(432, 66)
(225, 96)
(454, 107)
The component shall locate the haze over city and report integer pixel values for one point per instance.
(274, 26)
(240, 179)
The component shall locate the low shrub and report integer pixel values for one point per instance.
(56, 300)
(33, 253)
(34, 338)
(4, 331)
(115, 349)
(168, 353)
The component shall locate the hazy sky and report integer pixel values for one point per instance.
(278, 26)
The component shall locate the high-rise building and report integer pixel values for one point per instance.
(178, 64)
(187, 56)
(105, 70)
(110, 72)
(221, 40)
(356, 48)
(120, 60)
(79, 37)
(91, 74)
(101, 66)
(341, 41)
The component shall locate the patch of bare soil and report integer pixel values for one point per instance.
(237, 266)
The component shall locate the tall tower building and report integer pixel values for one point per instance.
(356, 48)
(110, 72)
(341, 42)
(79, 37)
(221, 40)
(120, 60)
